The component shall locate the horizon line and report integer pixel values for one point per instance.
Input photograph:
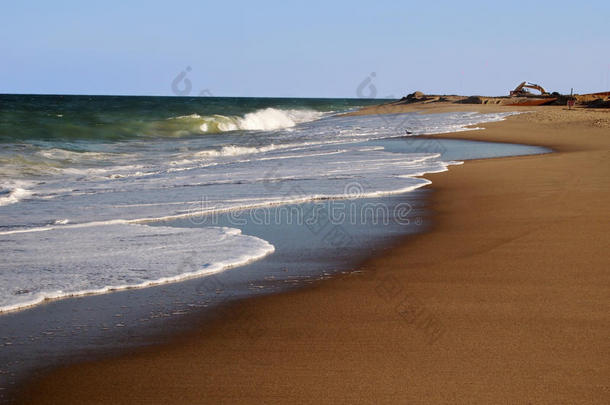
(176, 96)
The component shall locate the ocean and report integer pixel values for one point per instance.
(89, 185)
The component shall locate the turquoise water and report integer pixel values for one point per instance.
(65, 119)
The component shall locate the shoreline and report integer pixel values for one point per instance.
(85, 328)
(320, 333)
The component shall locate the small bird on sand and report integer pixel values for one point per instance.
(408, 132)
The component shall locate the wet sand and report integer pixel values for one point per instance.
(504, 300)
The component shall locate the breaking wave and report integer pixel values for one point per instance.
(13, 192)
(267, 119)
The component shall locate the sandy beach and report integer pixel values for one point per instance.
(504, 300)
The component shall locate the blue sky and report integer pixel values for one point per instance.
(306, 49)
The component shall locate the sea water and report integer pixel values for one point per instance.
(87, 184)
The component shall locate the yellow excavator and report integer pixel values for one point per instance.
(521, 91)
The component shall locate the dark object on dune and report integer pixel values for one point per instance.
(594, 100)
(471, 100)
(418, 95)
(414, 97)
(599, 103)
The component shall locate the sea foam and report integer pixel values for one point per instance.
(12, 192)
(78, 228)
(93, 260)
(266, 119)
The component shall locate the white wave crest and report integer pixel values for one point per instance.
(13, 192)
(267, 119)
(232, 150)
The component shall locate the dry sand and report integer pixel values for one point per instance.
(506, 300)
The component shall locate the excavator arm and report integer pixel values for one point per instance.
(536, 87)
(520, 89)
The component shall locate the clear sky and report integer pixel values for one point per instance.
(303, 49)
